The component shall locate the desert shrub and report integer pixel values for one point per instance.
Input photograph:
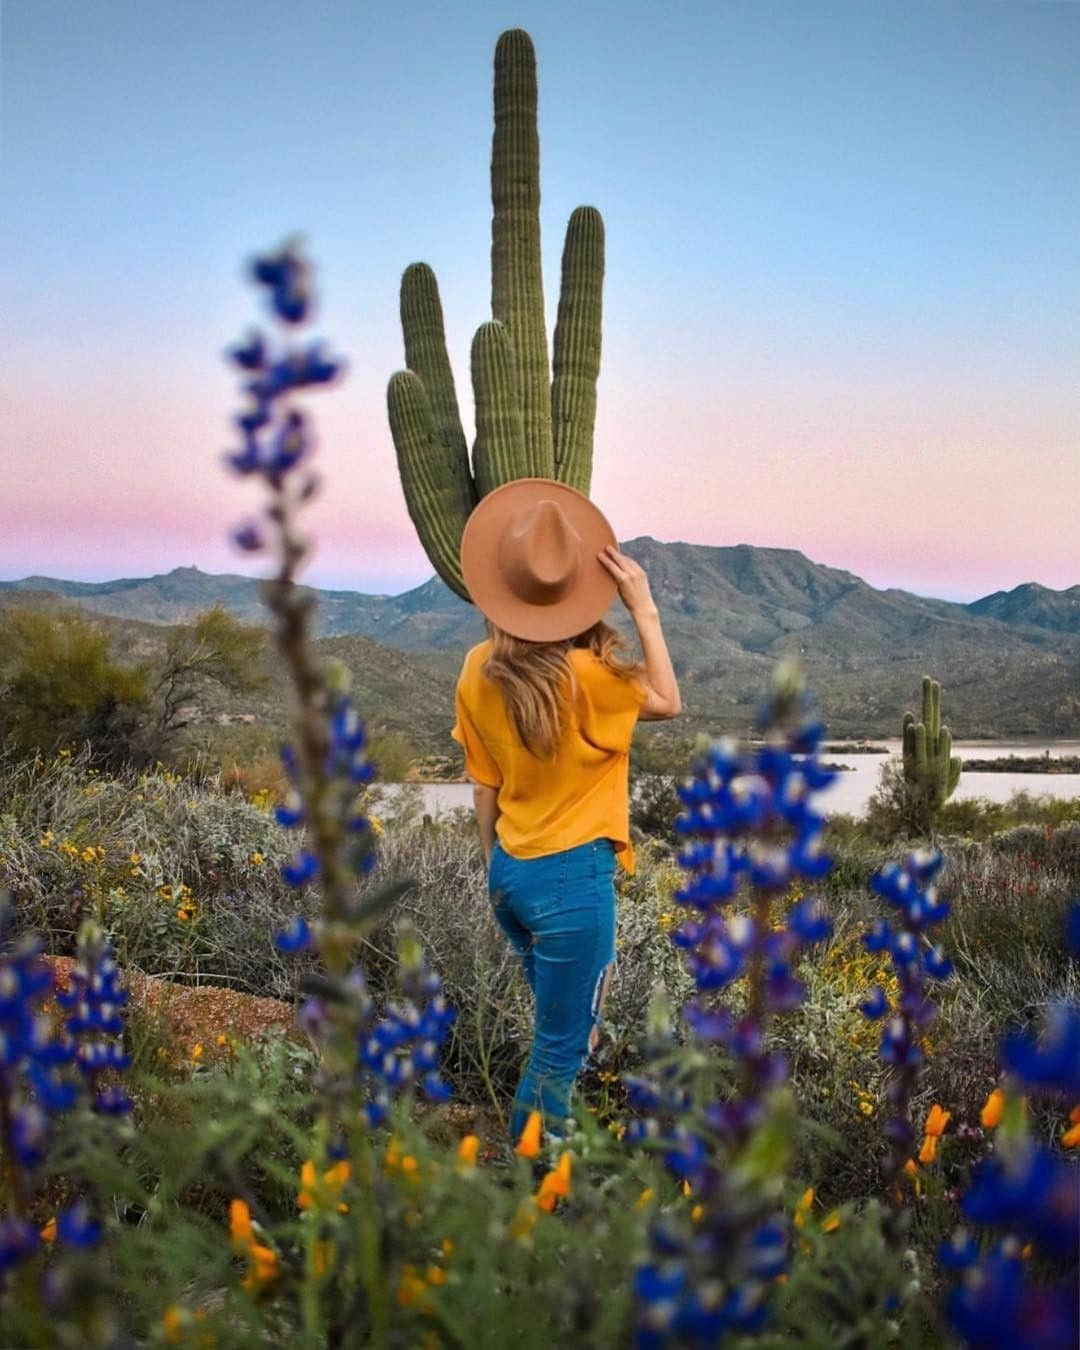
(60, 685)
(654, 805)
(393, 754)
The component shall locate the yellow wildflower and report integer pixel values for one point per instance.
(555, 1185)
(312, 1192)
(1071, 1137)
(697, 1212)
(243, 1235)
(831, 1222)
(935, 1125)
(990, 1116)
(171, 1325)
(263, 1268)
(307, 1184)
(802, 1209)
(466, 1152)
(48, 1233)
(447, 1246)
(435, 1274)
(263, 1264)
(645, 1198)
(528, 1146)
(411, 1288)
(196, 1052)
(936, 1121)
(46, 839)
(257, 859)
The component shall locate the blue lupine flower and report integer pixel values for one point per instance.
(909, 888)
(959, 1251)
(993, 1310)
(296, 938)
(94, 1002)
(252, 354)
(1052, 1063)
(875, 1004)
(32, 1055)
(301, 870)
(276, 435)
(18, 1240)
(249, 537)
(749, 817)
(1031, 1192)
(76, 1227)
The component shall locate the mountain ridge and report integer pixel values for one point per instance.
(1010, 661)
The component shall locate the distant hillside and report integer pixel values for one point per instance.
(393, 691)
(1033, 606)
(1010, 664)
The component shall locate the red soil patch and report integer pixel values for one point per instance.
(196, 1014)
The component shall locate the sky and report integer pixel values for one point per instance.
(842, 296)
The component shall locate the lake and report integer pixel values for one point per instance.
(852, 790)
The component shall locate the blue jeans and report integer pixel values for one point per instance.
(558, 912)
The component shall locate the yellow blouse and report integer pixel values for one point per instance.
(583, 794)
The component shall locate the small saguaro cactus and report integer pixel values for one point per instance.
(532, 420)
(931, 771)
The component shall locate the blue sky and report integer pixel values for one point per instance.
(842, 297)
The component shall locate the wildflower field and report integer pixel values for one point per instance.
(256, 1052)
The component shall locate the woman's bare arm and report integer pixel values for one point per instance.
(663, 700)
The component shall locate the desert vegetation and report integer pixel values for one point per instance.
(259, 1031)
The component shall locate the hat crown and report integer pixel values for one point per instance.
(540, 554)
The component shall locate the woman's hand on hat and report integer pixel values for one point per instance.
(630, 578)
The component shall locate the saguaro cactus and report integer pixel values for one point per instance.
(931, 771)
(528, 425)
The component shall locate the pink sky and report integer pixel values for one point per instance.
(941, 483)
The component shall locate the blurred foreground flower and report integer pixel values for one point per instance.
(911, 891)
(753, 830)
(1030, 1193)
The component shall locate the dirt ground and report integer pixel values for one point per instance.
(203, 1022)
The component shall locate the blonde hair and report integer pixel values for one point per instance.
(537, 679)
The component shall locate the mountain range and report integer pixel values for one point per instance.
(1009, 663)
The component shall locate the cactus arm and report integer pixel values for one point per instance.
(576, 352)
(426, 354)
(955, 765)
(517, 289)
(921, 759)
(500, 437)
(431, 494)
(909, 747)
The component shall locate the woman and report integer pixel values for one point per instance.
(546, 709)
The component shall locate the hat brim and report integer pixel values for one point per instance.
(594, 590)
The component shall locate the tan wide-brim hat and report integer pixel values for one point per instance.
(528, 556)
